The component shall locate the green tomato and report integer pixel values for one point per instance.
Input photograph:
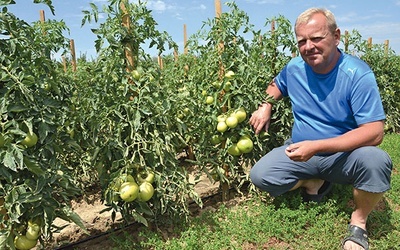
(234, 150)
(135, 74)
(227, 86)
(216, 139)
(222, 127)
(232, 121)
(217, 84)
(30, 140)
(240, 114)
(129, 191)
(145, 176)
(146, 191)
(229, 74)
(209, 100)
(32, 232)
(126, 178)
(245, 145)
(23, 243)
(221, 118)
(117, 182)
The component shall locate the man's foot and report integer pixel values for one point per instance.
(318, 194)
(357, 239)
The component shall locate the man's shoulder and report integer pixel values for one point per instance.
(354, 64)
(298, 60)
(295, 64)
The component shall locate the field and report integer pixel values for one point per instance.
(160, 145)
(248, 221)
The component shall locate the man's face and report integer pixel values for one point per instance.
(317, 45)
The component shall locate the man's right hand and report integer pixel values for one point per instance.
(261, 118)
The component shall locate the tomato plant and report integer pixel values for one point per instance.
(135, 127)
(235, 77)
(34, 182)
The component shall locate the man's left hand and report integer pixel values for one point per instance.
(301, 151)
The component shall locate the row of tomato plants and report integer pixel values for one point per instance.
(123, 128)
(109, 127)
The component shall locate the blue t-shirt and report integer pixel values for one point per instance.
(329, 105)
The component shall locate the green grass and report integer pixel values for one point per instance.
(284, 223)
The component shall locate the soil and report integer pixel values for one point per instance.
(99, 224)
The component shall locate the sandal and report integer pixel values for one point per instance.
(357, 235)
(324, 190)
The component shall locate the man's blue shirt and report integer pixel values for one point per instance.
(329, 105)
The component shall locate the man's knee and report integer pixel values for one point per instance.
(373, 171)
(374, 159)
(256, 176)
(266, 180)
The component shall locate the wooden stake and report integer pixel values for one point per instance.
(386, 44)
(160, 62)
(72, 45)
(273, 27)
(346, 41)
(176, 55)
(218, 13)
(126, 22)
(185, 48)
(42, 19)
(42, 16)
(218, 9)
(369, 42)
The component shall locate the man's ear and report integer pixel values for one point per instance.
(337, 36)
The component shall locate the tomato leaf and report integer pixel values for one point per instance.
(9, 162)
(145, 208)
(13, 159)
(139, 218)
(5, 174)
(137, 120)
(18, 107)
(69, 215)
(33, 167)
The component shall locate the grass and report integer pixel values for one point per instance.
(283, 223)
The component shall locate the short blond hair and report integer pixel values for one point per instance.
(306, 16)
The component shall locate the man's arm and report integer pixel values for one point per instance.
(369, 134)
(261, 118)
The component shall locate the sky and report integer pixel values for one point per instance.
(379, 20)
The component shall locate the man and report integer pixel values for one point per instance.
(338, 122)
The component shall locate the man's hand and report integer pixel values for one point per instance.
(301, 151)
(261, 118)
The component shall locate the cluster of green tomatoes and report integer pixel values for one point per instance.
(128, 189)
(228, 122)
(29, 239)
